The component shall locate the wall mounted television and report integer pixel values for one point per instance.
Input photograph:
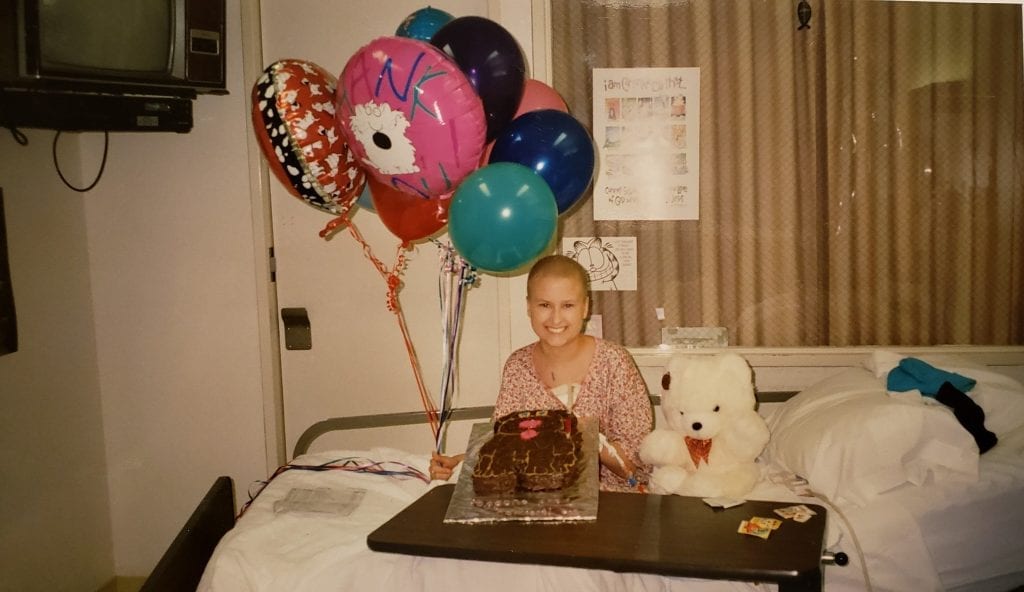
(114, 65)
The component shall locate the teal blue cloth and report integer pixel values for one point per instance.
(912, 373)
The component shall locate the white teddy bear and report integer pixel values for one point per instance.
(714, 433)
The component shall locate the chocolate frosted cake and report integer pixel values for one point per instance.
(529, 451)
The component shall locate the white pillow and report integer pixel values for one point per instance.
(852, 441)
(999, 396)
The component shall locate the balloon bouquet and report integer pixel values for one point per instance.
(436, 127)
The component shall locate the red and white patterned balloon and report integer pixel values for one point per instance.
(293, 115)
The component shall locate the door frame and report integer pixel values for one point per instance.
(271, 389)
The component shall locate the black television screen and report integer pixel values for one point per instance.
(115, 65)
(169, 46)
(117, 36)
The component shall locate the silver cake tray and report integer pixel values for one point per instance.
(576, 503)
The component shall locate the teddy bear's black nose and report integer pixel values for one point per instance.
(697, 426)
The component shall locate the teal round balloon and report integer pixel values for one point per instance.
(423, 23)
(502, 216)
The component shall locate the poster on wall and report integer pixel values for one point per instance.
(647, 130)
(609, 260)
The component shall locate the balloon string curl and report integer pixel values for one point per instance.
(393, 279)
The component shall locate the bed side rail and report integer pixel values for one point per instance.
(182, 565)
(383, 420)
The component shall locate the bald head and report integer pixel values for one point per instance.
(558, 266)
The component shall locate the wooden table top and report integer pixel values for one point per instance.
(669, 535)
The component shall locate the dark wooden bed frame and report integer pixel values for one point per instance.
(182, 565)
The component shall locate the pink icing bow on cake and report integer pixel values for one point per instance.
(527, 426)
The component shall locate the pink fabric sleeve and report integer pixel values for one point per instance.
(627, 417)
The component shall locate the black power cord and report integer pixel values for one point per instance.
(18, 135)
(103, 163)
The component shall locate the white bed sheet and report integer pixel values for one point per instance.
(974, 532)
(949, 536)
(319, 552)
(913, 540)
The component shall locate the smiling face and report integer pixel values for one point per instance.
(557, 303)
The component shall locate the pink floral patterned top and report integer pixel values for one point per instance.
(612, 391)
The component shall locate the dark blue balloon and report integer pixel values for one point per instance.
(555, 146)
(493, 62)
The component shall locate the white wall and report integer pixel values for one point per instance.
(172, 260)
(101, 484)
(53, 500)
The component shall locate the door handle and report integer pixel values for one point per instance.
(297, 333)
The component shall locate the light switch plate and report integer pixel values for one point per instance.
(297, 332)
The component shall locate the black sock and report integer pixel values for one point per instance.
(969, 414)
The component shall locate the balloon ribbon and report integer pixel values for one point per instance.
(456, 275)
(394, 282)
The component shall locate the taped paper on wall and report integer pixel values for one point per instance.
(647, 132)
(610, 260)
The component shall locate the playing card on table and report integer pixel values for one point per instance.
(770, 523)
(785, 512)
(799, 512)
(753, 529)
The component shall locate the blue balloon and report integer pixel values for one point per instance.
(502, 216)
(554, 145)
(423, 23)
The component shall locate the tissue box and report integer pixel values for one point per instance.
(693, 337)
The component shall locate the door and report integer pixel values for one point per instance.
(358, 363)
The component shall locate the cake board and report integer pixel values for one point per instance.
(576, 503)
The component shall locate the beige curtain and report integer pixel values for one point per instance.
(925, 193)
(817, 223)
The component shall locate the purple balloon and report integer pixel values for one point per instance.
(492, 61)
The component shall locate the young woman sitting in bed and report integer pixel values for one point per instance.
(565, 369)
